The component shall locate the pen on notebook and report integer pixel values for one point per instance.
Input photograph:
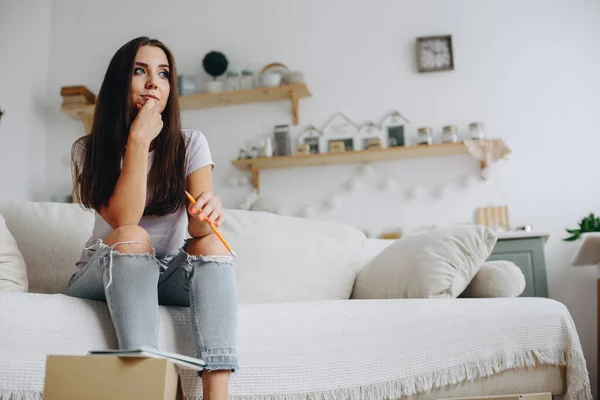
(212, 226)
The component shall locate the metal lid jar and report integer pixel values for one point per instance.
(476, 131)
(449, 134)
(425, 136)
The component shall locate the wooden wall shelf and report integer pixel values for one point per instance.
(206, 100)
(256, 95)
(255, 165)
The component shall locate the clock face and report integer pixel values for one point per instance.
(435, 54)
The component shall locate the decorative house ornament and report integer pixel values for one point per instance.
(302, 149)
(372, 143)
(313, 138)
(392, 125)
(371, 136)
(434, 53)
(337, 146)
(340, 128)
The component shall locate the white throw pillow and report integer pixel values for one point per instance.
(283, 258)
(51, 237)
(496, 279)
(13, 272)
(438, 263)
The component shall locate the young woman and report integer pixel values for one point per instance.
(133, 170)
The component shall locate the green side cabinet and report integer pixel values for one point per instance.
(528, 254)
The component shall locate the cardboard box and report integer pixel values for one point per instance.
(99, 377)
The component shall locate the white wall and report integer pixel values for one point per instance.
(24, 55)
(527, 69)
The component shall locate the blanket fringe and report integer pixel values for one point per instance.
(578, 384)
(20, 395)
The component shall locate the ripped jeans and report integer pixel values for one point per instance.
(133, 288)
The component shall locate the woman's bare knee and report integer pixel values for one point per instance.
(208, 245)
(141, 242)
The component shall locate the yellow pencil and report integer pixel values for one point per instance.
(213, 227)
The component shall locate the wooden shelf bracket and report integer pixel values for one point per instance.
(295, 111)
(255, 178)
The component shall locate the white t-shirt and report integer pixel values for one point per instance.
(167, 232)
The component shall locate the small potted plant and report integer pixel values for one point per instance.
(215, 64)
(591, 223)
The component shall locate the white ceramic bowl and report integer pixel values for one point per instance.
(270, 79)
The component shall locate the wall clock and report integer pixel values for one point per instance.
(434, 53)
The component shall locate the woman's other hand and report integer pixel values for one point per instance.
(210, 206)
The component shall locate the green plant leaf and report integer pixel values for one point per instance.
(589, 223)
(586, 225)
(572, 238)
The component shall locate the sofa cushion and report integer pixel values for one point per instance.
(13, 272)
(438, 263)
(51, 237)
(496, 279)
(282, 258)
(279, 258)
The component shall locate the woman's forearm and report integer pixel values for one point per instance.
(198, 228)
(128, 201)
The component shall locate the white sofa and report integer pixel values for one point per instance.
(301, 335)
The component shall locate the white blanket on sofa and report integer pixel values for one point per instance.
(354, 349)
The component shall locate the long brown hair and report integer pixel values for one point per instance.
(105, 145)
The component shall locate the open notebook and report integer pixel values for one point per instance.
(178, 359)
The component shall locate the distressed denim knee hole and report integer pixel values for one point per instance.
(100, 244)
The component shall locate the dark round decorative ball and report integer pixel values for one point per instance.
(215, 63)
